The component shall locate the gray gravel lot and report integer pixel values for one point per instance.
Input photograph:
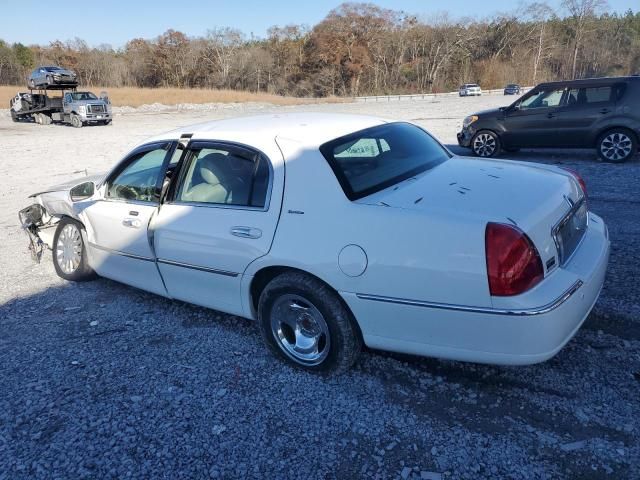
(99, 380)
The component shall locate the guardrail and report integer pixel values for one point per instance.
(427, 96)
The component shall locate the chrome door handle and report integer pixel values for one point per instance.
(131, 222)
(246, 232)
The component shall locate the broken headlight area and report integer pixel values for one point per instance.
(33, 219)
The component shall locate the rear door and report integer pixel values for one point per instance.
(533, 120)
(584, 108)
(220, 215)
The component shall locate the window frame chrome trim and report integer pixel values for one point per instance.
(471, 309)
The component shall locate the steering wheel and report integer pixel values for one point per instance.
(126, 192)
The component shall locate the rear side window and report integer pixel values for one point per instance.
(224, 175)
(589, 95)
(373, 159)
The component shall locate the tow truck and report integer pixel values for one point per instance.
(69, 106)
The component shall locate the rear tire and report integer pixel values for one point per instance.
(306, 324)
(485, 144)
(70, 253)
(76, 121)
(617, 145)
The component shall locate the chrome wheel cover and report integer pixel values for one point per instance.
(616, 146)
(484, 145)
(300, 330)
(69, 249)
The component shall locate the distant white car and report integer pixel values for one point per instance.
(333, 231)
(469, 89)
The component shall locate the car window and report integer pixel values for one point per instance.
(588, 95)
(542, 99)
(373, 159)
(224, 176)
(139, 179)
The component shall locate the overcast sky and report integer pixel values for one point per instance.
(115, 22)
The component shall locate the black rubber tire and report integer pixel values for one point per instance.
(497, 149)
(628, 133)
(76, 121)
(346, 340)
(83, 272)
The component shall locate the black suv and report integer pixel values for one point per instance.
(601, 113)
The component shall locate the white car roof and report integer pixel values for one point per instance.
(307, 128)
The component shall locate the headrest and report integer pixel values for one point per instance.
(210, 168)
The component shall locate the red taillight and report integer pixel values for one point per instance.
(578, 178)
(513, 263)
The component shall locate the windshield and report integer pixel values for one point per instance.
(83, 96)
(52, 69)
(371, 160)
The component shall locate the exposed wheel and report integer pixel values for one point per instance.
(49, 80)
(38, 118)
(46, 119)
(70, 253)
(617, 145)
(76, 121)
(485, 143)
(305, 323)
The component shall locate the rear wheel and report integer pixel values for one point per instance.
(485, 143)
(617, 145)
(70, 253)
(49, 80)
(76, 121)
(305, 323)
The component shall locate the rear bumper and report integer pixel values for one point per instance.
(526, 329)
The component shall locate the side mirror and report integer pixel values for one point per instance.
(83, 191)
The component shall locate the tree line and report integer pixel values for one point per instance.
(359, 49)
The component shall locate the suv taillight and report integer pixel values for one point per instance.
(513, 263)
(579, 179)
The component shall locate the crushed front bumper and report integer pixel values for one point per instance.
(464, 137)
(32, 219)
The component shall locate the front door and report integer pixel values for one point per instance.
(532, 123)
(219, 216)
(118, 242)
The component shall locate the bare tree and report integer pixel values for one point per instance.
(582, 14)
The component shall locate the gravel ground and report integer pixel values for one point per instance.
(99, 380)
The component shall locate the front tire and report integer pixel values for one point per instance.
(485, 144)
(306, 324)
(617, 145)
(76, 121)
(70, 252)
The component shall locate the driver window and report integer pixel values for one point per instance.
(139, 179)
(542, 99)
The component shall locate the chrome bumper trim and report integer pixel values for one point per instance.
(492, 311)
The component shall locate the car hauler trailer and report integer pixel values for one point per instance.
(69, 107)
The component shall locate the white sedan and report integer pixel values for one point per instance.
(334, 231)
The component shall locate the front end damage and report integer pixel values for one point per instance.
(33, 219)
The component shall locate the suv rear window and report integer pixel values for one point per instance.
(373, 159)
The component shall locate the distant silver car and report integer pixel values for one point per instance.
(52, 76)
(470, 89)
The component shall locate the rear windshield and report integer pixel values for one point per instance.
(371, 160)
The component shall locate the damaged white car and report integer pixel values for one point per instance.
(335, 231)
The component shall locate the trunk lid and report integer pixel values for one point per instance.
(533, 197)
